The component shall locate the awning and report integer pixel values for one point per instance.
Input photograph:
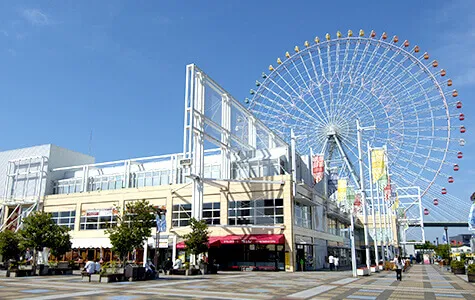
(91, 243)
(215, 241)
(253, 239)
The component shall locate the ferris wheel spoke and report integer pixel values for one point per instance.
(309, 89)
(298, 95)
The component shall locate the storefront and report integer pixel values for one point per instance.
(263, 252)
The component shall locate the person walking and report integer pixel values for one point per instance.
(336, 261)
(331, 262)
(399, 266)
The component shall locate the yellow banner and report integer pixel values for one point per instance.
(396, 203)
(342, 185)
(377, 163)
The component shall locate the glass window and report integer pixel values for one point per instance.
(181, 215)
(262, 212)
(211, 213)
(98, 222)
(64, 218)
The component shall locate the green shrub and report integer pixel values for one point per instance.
(471, 269)
(455, 264)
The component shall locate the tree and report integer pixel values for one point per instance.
(133, 228)
(39, 231)
(9, 245)
(196, 242)
(62, 241)
(426, 246)
(443, 251)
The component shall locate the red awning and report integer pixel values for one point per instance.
(215, 241)
(253, 239)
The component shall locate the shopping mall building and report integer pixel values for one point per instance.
(257, 194)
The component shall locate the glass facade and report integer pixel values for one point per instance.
(256, 212)
(211, 213)
(302, 215)
(181, 215)
(94, 222)
(64, 218)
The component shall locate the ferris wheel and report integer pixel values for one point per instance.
(319, 90)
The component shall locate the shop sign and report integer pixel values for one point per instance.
(105, 212)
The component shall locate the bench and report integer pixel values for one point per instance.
(176, 272)
(62, 268)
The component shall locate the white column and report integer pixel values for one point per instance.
(375, 240)
(363, 194)
(145, 252)
(380, 222)
(198, 147)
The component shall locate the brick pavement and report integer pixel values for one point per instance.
(420, 282)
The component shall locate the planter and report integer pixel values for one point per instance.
(374, 269)
(362, 272)
(133, 273)
(4, 273)
(380, 267)
(459, 271)
(95, 278)
(471, 277)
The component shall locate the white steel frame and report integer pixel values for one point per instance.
(198, 128)
(13, 175)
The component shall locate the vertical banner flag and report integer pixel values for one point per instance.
(471, 218)
(318, 167)
(350, 196)
(332, 182)
(342, 188)
(377, 163)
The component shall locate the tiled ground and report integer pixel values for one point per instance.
(420, 282)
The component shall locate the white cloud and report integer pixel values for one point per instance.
(36, 17)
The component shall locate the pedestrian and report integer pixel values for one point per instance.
(336, 261)
(399, 266)
(168, 265)
(97, 267)
(178, 264)
(90, 267)
(331, 261)
(302, 264)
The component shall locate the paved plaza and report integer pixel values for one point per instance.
(420, 282)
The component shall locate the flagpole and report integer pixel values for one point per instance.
(378, 194)
(363, 195)
(375, 239)
(388, 210)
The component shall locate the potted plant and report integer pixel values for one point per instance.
(458, 267)
(471, 273)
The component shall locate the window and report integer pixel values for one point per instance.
(152, 178)
(106, 182)
(98, 219)
(257, 212)
(211, 213)
(181, 215)
(331, 226)
(68, 186)
(64, 218)
(302, 215)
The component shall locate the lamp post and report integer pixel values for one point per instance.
(159, 223)
(447, 241)
(437, 241)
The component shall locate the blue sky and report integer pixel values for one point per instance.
(117, 67)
